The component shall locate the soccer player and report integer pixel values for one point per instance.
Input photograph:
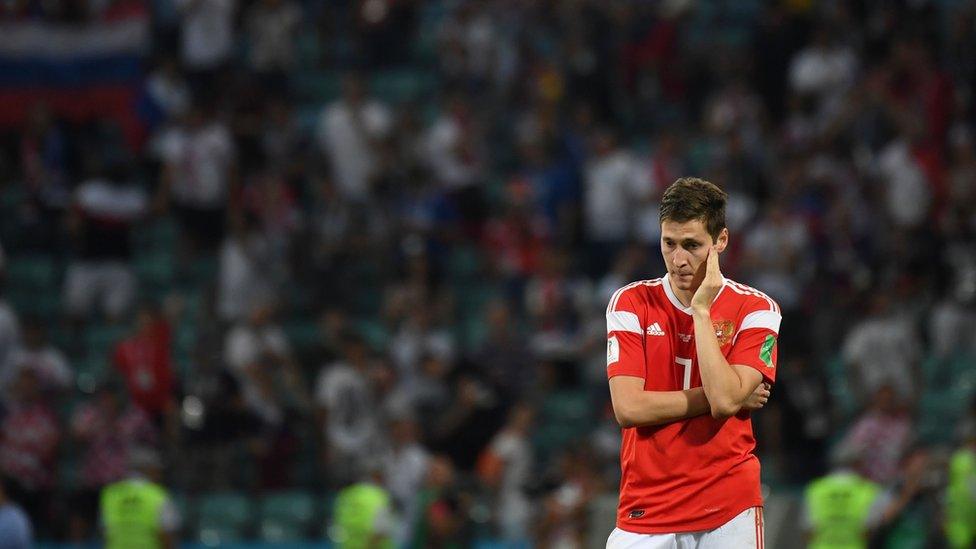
(689, 355)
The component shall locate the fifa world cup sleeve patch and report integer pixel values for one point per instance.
(766, 351)
(613, 350)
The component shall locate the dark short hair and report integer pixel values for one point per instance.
(691, 198)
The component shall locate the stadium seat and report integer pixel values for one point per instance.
(155, 269)
(302, 334)
(42, 303)
(320, 87)
(401, 86)
(287, 516)
(100, 339)
(32, 272)
(309, 49)
(222, 517)
(158, 236)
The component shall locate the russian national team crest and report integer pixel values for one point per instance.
(723, 330)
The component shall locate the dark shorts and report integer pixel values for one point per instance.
(204, 226)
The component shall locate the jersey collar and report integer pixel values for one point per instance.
(677, 303)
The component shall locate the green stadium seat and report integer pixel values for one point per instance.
(400, 86)
(157, 268)
(32, 272)
(287, 516)
(36, 302)
(302, 334)
(309, 49)
(202, 272)
(374, 332)
(158, 236)
(320, 87)
(186, 509)
(222, 518)
(100, 339)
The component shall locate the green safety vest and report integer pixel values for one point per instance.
(356, 509)
(960, 520)
(838, 505)
(130, 514)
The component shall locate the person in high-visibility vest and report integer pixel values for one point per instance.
(363, 514)
(960, 504)
(838, 510)
(845, 510)
(137, 511)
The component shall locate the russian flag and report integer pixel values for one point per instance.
(81, 71)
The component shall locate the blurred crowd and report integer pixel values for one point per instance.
(376, 238)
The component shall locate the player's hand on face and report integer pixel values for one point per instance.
(758, 398)
(711, 283)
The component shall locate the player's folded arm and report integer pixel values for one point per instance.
(727, 405)
(635, 407)
(753, 360)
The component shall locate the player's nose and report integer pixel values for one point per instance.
(679, 258)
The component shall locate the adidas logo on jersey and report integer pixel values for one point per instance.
(655, 330)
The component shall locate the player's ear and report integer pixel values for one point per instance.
(722, 241)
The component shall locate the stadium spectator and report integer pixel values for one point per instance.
(43, 150)
(882, 434)
(405, 468)
(453, 149)
(106, 427)
(348, 417)
(613, 186)
(207, 41)
(842, 507)
(911, 505)
(15, 526)
(439, 518)
(505, 467)
(960, 502)
(198, 175)
(503, 357)
(271, 28)
(802, 401)
(362, 515)
(349, 132)
(250, 340)
(106, 207)
(145, 363)
(29, 438)
(159, 521)
(167, 93)
(882, 349)
(36, 353)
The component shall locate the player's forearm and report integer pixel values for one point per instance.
(659, 407)
(723, 386)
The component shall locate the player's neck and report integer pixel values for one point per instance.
(684, 296)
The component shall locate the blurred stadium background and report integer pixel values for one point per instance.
(290, 243)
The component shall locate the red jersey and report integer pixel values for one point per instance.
(697, 473)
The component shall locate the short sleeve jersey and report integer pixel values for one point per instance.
(697, 473)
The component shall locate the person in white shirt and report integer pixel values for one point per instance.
(38, 354)
(106, 207)
(199, 176)
(614, 186)
(208, 32)
(349, 131)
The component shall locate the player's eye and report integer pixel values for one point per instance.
(691, 246)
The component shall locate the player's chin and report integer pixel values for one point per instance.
(684, 282)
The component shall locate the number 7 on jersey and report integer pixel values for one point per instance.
(686, 362)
